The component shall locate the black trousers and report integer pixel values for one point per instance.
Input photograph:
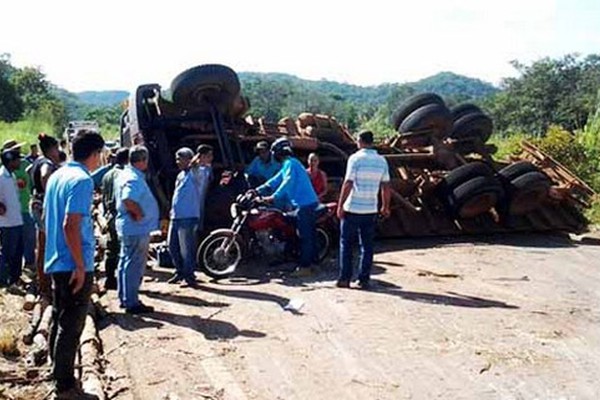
(113, 248)
(68, 318)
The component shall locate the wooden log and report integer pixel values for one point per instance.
(36, 317)
(46, 321)
(90, 349)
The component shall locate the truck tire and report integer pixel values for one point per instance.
(513, 171)
(463, 109)
(192, 86)
(476, 196)
(411, 104)
(473, 125)
(432, 116)
(466, 172)
(528, 192)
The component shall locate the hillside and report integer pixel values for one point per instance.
(102, 98)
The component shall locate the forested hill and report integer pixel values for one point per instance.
(275, 95)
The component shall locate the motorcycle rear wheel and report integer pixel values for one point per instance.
(217, 261)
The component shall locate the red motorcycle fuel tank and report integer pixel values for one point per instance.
(275, 220)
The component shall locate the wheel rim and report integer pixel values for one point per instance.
(323, 243)
(216, 261)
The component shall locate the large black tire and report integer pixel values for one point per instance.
(476, 197)
(466, 172)
(434, 117)
(473, 125)
(214, 264)
(513, 171)
(528, 192)
(205, 84)
(463, 109)
(411, 104)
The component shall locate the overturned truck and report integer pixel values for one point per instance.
(444, 179)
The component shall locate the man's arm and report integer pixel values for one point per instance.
(134, 210)
(44, 175)
(386, 194)
(345, 192)
(272, 184)
(72, 230)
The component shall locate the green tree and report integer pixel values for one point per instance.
(11, 106)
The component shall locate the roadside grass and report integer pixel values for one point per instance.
(593, 213)
(25, 131)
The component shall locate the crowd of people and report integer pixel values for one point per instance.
(46, 221)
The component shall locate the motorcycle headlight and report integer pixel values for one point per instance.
(234, 210)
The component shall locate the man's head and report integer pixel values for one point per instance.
(262, 150)
(11, 159)
(205, 154)
(183, 158)
(365, 139)
(138, 157)
(281, 149)
(63, 144)
(33, 150)
(49, 147)
(313, 160)
(122, 156)
(87, 149)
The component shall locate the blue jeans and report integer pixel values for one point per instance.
(11, 240)
(307, 220)
(182, 239)
(132, 265)
(29, 239)
(363, 226)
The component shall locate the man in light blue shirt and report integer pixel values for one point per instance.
(263, 167)
(186, 208)
(137, 216)
(69, 256)
(367, 175)
(292, 185)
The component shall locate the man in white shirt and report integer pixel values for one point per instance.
(11, 220)
(367, 175)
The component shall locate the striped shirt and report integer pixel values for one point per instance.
(366, 170)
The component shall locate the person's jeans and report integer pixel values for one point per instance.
(363, 226)
(113, 248)
(68, 319)
(11, 240)
(132, 265)
(307, 221)
(182, 239)
(29, 239)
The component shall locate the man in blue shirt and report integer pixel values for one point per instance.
(137, 216)
(188, 201)
(69, 256)
(263, 167)
(292, 185)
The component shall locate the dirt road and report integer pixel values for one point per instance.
(514, 317)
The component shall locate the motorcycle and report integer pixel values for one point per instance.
(259, 230)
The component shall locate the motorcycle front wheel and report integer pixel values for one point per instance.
(219, 254)
(323, 243)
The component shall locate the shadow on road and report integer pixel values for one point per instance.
(212, 329)
(187, 300)
(532, 240)
(449, 299)
(246, 294)
(127, 322)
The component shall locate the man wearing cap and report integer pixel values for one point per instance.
(24, 185)
(263, 167)
(185, 216)
(11, 220)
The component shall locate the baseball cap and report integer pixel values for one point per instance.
(262, 145)
(10, 155)
(12, 144)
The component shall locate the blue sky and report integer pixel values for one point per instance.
(120, 44)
